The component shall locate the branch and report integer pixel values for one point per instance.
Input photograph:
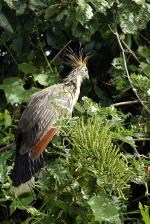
(127, 103)
(131, 52)
(42, 50)
(141, 139)
(9, 51)
(145, 38)
(5, 148)
(127, 72)
(61, 51)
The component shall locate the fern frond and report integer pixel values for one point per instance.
(93, 151)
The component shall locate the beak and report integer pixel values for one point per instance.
(87, 76)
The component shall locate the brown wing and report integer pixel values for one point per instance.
(40, 115)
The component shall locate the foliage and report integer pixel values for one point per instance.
(97, 170)
(103, 209)
(145, 213)
(93, 152)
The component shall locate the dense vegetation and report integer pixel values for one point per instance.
(97, 170)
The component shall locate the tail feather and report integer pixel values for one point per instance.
(25, 168)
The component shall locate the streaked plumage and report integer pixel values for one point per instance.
(37, 125)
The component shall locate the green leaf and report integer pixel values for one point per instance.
(79, 108)
(145, 213)
(102, 5)
(84, 13)
(118, 63)
(42, 79)
(144, 52)
(3, 167)
(46, 78)
(14, 91)
(146, 68)
(126, 139)
(33, 211)
(51, 11)
(13, 206)
(37, 4)
(61, 204)
(9, 3)
(7, 118)
(5, 23)
(27, 68)
(133, 17)
(139, 2)
(104, 209)
(26, 198)
(81, 3)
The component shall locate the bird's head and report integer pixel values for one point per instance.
(79, 64)
(81, 72)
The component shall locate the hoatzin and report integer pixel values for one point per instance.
(37, 125)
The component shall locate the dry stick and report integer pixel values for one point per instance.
(61, 51)
(141, 139)
(127, 103)
(9, 51)
(127, 73)
(145, 38)
(5, 148)
(131, 52)
(49, 65)
(42, 50)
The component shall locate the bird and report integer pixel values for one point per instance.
(38, 123)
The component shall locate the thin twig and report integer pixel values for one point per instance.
(41, 48)
(61, 51)
(49, 65)
(145, 38)
(5, 148)
(127, 103)
(127, 72)
(9, 51)
(141, 139)
(131, 52)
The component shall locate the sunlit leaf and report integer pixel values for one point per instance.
(27, 68)
(7, 119)
(5, 23)
(145, 213)
(104, 209)
(14, 91)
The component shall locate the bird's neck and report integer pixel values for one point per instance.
(74, 84)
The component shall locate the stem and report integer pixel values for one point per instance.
(127, 103)
(141, 139)
(127, 72)
(41, 48)
(49, 65)
(9, 51)
(146, 189)
(131, 52)
(5, 148)
(61, 50)
(145, 38)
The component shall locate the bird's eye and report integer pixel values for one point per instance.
(84, 69)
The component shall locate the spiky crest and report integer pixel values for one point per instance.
(75, 60)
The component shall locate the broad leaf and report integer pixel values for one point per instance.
(104, 209)
(27, 68)
(14, 91)
(7, 119)
(5, 23)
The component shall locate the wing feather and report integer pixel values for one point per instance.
(41, 113)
